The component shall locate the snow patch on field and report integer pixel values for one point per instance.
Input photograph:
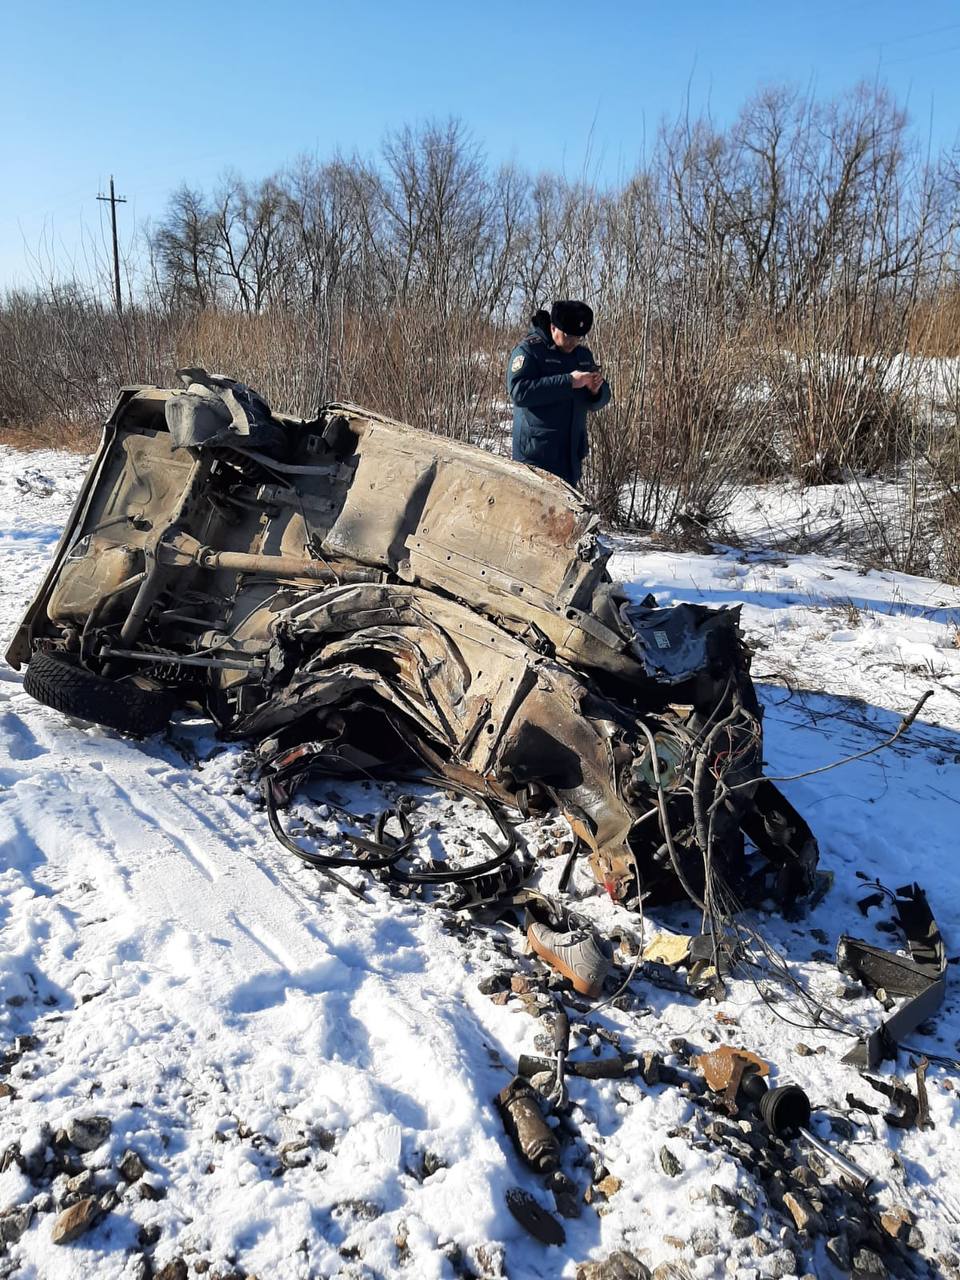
(285, 1058)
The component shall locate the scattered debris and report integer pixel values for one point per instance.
(805, 1217)
(557, 1095)
(620, 1265)
(669, 1163)
(743, 1225)
(295, 1155)
(667, 948)
(14, 1222)
(724, 1069)
(175, 1269)
(923, 1102)
(603, 1068)
(86, 1133)
(608, 1186)
(921, 978)
(901, 1097)
(130, 1166)
(897, 1221)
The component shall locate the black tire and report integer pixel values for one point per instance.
(59, 681)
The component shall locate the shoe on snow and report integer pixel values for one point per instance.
(574, 951)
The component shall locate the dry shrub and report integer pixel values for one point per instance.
(834, 416)
(275, 352)
(950, 534)
(944, 464)
(934, 328)
(442, 373)
(51, 433)
(696, 431)
(64, 353)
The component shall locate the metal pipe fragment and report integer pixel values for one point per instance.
(858, 1177)
(610, 1068)
(524, 1122)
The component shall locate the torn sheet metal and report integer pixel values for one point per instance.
(921, 977)
(215, 412)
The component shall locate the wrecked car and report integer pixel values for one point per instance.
(350, 594)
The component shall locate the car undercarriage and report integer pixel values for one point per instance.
(353, 596)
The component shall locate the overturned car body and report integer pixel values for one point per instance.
(366, 598)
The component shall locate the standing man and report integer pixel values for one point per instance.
(554, 382)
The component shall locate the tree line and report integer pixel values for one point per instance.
(763, 290)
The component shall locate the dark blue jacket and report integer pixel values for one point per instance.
(549, 417)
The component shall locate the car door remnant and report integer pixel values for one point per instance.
(400, 600)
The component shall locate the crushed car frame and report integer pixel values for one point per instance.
(352, 594)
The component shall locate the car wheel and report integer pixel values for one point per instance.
(59, 681)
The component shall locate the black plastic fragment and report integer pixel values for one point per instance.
(537, 1221)
(900, 1096)
(921, 977)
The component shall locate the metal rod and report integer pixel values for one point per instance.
(232, 664)
(280, 566)
(852, 1172)
(142, 602)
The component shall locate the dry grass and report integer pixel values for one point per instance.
(75, 437)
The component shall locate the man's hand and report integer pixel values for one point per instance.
(583, 381)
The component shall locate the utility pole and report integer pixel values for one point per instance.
(113, 201)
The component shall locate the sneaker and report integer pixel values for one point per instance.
(576, 952)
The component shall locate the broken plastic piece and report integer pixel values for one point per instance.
(785, 1110)
(668, 948)
(534, 1219)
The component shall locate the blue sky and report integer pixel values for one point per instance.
(173, 91)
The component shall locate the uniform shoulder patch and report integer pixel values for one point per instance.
(517, 363)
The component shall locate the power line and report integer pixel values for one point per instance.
(113, 200)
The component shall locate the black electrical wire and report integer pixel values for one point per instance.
(324, 863)
(381, 857)
(452, 875)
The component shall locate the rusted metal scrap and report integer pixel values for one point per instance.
(725, 1068)
(523, 1120)
(404, 602)
(609, 1067)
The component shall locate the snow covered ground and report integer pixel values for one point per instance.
(308, 1078)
